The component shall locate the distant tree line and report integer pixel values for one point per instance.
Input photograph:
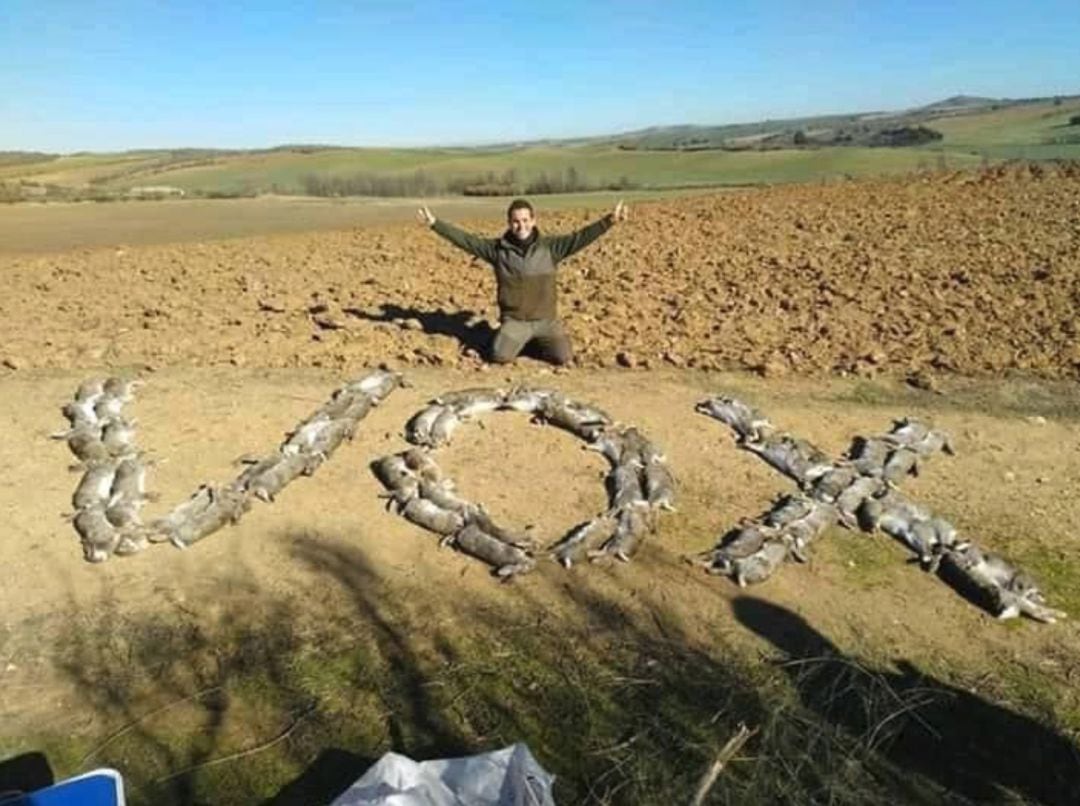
(573, 181)
(25, 157)
(422, 183)
(24, 190)
(905, 136)
(850, 133)
(418, 183)
(895, 137)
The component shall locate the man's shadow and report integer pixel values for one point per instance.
(471, 333)
(333, 772)
(965, 743)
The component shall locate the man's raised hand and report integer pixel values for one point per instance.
(619, 214)
(425, 216)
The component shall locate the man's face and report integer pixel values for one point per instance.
(522, 223)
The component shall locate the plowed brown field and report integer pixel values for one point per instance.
(975, 273)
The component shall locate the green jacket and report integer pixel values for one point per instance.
(525, 273)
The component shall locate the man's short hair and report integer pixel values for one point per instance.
(519, 204)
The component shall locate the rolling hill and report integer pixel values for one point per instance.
(957, 132)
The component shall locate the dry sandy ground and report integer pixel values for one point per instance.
(1010, 486)
(30, 228)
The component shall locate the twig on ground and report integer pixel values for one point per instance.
(726, 754)
(616, 747)
(135, 722)
(635, 681)
(243, 753)
(913, 705)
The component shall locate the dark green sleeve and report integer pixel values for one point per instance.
(562, 246)
(483, 248)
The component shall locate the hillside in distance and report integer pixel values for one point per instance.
(850, 129)
(955, 133)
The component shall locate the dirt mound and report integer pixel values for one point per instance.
(974, 273)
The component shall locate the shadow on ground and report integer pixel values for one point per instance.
(253, 696)
(461, 325)
(968, 745)
(24, 773)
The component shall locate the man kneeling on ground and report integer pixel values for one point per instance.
(525, 263)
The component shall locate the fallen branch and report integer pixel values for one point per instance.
(133, 723)
(243, 753)
(726, 754)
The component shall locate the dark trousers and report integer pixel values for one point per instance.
(547, 337)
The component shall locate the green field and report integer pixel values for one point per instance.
(596, 165)
(1034, 131)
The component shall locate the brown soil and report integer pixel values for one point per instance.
(1009, 487)
(975, 274)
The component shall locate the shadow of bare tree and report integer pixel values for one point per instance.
(968, 745)
(164, 677)
(255, 696)
(590, 705)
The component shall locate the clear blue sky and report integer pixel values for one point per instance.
(109, 74)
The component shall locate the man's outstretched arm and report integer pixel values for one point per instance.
(562, 246)
(483, 248)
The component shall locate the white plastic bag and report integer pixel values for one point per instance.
(507, 777)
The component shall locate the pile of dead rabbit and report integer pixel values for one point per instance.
(859, 490)
(639, 482)
(112, 492)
